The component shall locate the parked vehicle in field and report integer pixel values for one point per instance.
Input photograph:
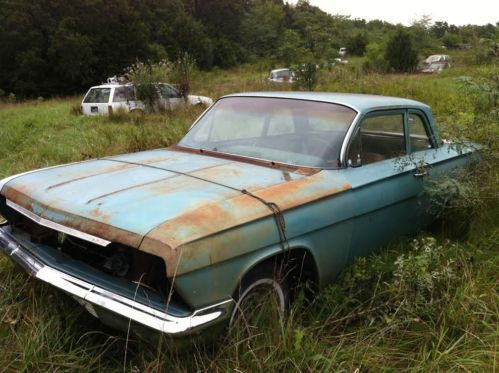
(108, 98)
(435, 63)
(178, 239)
(334, 62)
(342, 52)
(340, 61)
(284, 75)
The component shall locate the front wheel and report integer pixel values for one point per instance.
(261, 298)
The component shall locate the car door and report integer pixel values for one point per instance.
(120, 98)
(170, 97)
(97, 101)
(433, 161)
(386, 181)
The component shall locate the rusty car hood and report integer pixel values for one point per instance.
(162, 199)
(136, 192)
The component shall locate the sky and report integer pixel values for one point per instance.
(457, 12)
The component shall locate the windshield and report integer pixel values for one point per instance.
(291, 131)
(282, 74)
(97, 95)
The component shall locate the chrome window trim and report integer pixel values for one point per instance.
(56, 226)
(346, 141)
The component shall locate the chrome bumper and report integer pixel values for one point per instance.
(90, 295)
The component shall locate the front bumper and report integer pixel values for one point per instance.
(95, 298)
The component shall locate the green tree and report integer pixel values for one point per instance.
(225, 53)
(70, 55)
(375, 60)
(451, 41)
(306, 76)
(400, 53)
(439, 29)
(291, 50)
(356, 43)
(262, 28)
(422, 36)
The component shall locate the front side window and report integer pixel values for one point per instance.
(98, 96)
(380, 137)
(298, 132)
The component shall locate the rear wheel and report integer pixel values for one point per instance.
(453, 223)
(137, 112)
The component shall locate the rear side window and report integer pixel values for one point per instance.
(387, 124)
(168, 91)
(418, 136)
(123, 94)
(98, 96)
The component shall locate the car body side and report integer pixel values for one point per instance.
(331, 215)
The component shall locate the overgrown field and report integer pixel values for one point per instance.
(425, 303)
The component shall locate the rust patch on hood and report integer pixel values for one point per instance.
(97, 213)
(214, 217)
(95, 228)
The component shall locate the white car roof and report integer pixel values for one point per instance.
(280, 70)
(437, 58)
(111, 85)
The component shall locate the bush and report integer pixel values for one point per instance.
(401, 53)
(306, 76)
(145, 75)
(451, 41)
(76, 109)
(356, 44)
(181, 73)
(375, 61)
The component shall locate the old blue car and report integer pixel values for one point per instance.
(176, 239)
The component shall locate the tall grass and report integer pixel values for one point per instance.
(421, 304)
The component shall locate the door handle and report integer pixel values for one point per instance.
(420, 173)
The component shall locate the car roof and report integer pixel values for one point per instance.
(111, 85)
(362, 103)
(279, 70)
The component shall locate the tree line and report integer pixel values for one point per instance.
(59, 47)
